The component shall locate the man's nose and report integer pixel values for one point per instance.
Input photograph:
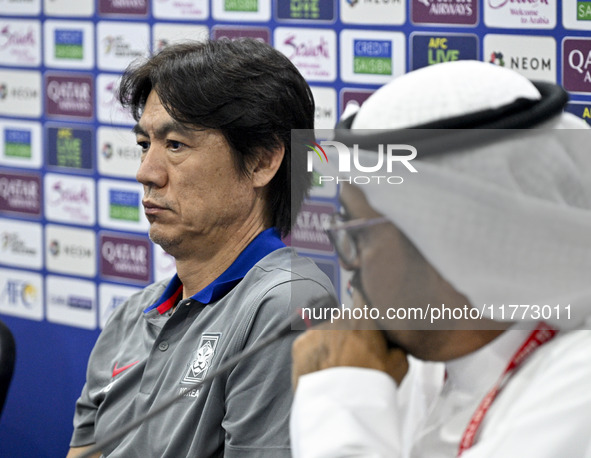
(152, 169)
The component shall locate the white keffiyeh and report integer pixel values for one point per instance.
(504, 223)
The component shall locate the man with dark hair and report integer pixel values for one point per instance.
(214, 125)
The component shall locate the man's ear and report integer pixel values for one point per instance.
(266, 166)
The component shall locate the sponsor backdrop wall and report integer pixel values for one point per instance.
(73, 241)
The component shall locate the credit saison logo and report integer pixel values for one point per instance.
(17, 143)
(69, 44)
(124, 205)
(249, 6)
(348, 163)
(372, 57)
(583, 10)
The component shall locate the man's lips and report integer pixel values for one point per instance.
(150, 208)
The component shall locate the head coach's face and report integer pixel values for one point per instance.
(214, 124)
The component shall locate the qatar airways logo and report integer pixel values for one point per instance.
(20, 193)
(496, 4)
(308, 232)
(69, 90)
(364, 173)
(18, 188)
(125, 258)
(136, 7)
(70, 96)
(115, 253)
(576, 64)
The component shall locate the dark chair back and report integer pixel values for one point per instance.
(7, 357)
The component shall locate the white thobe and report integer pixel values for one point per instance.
(544, 410)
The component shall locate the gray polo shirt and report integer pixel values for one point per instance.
(144, 357)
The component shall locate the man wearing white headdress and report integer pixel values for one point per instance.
(498, 225)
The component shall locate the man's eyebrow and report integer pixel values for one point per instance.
(138, 130)
(163, 130)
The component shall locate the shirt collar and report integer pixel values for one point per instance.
(478, 371)
(266, 242)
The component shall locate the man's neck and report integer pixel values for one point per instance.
(205, 265)
(468, 341)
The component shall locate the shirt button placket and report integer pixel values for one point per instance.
(163, 346)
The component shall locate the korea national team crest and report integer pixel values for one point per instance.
(202, 358)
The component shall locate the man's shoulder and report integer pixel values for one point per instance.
(554, 372)
(569, 347)
(279, 283)
(284, 265)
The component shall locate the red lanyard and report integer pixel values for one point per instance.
(538, 337)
